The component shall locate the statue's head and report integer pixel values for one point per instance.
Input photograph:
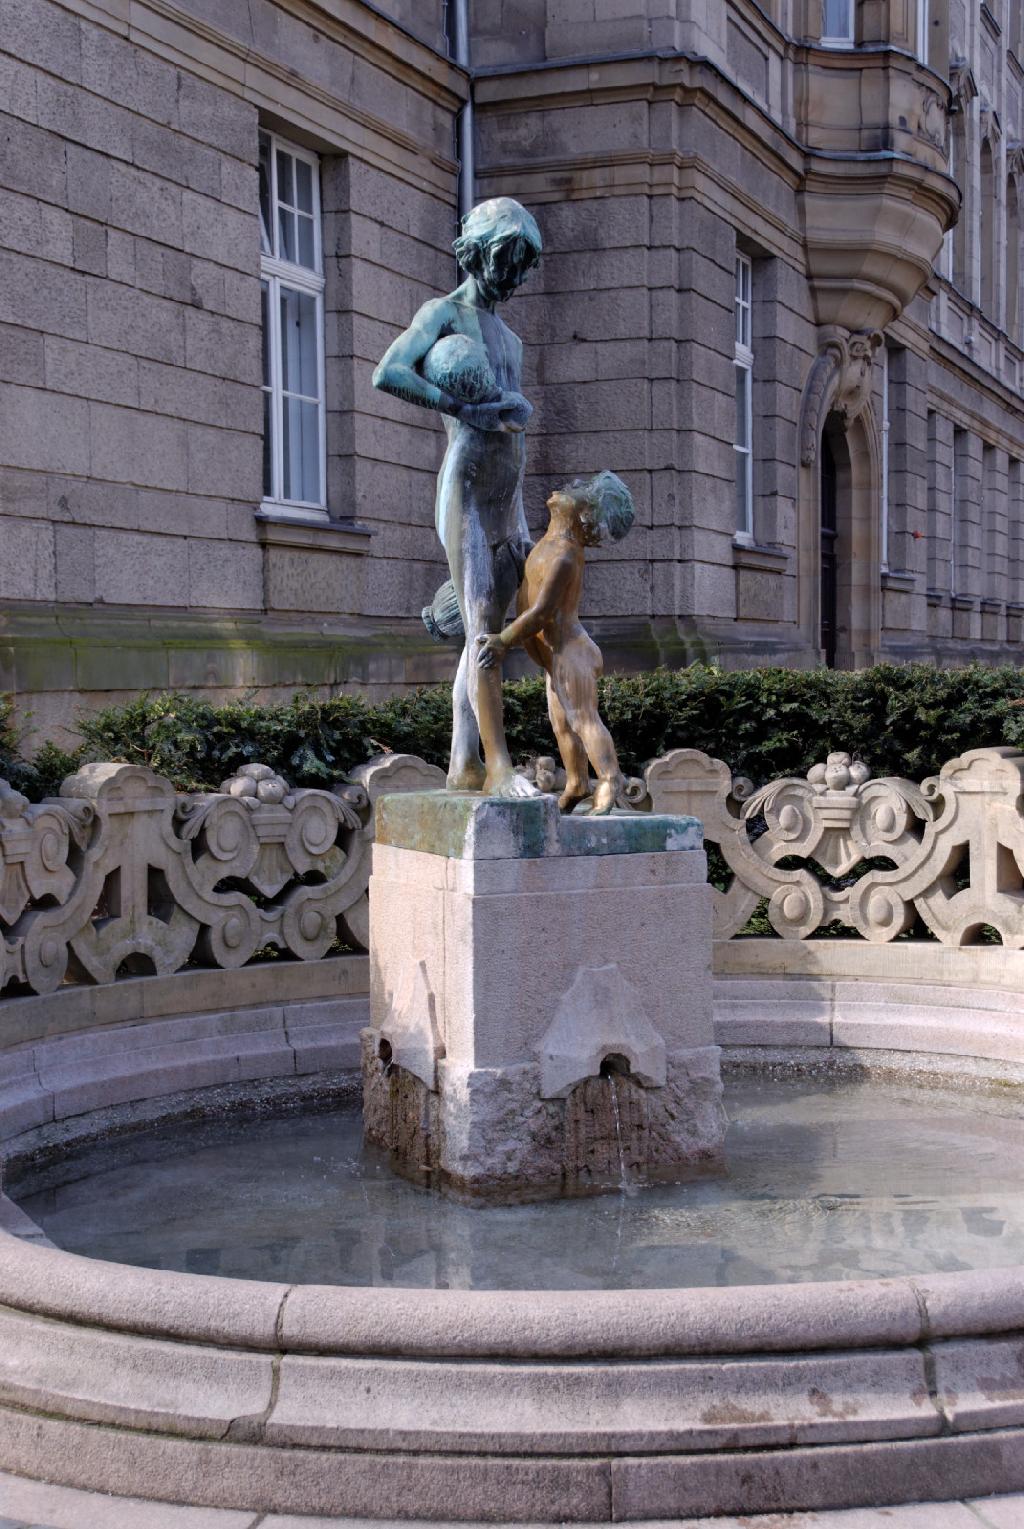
(499, 245)
(602, 504)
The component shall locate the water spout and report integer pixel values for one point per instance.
(613, 1073)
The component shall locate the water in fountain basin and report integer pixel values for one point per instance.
(824, 1182)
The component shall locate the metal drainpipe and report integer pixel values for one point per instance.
(467, 169)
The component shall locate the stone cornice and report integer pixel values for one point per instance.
(686, 78)
(650, 172)
(681, 78)
(960, 372)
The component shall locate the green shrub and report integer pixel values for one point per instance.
(8, 739)
(902, 720)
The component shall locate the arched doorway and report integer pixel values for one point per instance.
(829, 595)
(841, 592)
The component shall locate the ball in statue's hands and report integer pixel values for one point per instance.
(460, 367)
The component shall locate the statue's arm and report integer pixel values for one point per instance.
(397, 372)
(551, 598)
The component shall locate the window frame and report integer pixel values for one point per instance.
(277, 273)
(743, 365)
(844, 40)
(923, 18)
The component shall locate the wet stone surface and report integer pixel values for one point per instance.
(825, 1181)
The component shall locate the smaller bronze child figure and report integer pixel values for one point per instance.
(586, 513)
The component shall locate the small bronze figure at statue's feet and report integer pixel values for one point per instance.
(458, 357)
(548, 626)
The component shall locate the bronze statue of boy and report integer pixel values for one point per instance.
(583, 514)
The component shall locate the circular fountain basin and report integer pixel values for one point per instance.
(825, 1180)
(552, 1400)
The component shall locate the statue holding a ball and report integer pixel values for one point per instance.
(458, 357)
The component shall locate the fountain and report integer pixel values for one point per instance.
(212, 1293)
(545, 1287)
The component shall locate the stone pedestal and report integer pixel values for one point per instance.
(540, 997)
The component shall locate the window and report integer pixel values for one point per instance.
(957, 528)
(922, 30)
(883, 361)
(937, 564)
(958, 149)
(1015, 509)
(837, 23)
(291, 268)
(986, 229)
(744, 372)
(1012, 274)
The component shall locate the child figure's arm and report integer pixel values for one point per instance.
(492, 648)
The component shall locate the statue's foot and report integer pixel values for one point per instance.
(509, 784)
(469, 776)
(574, 793)
(604, 797)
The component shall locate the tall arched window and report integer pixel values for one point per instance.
(987, 230)
(1012, 260)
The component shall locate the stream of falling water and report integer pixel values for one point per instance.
(625, 1182)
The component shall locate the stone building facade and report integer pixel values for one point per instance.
(756, 303)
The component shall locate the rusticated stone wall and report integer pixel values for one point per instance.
(130, 349)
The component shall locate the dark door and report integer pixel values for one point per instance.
(829, 553)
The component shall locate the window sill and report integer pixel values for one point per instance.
(965, 602)
(898, 578)
(749, 554)
(315, 532)
(992, 607)
(938, 597)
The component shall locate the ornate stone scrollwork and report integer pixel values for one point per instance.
(36, 843)
(836, 818)
(969, 868)
(123, 870)
(839, 382)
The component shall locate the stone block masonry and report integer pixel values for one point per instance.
(131, 405)
(532, 1033)
(122, 177)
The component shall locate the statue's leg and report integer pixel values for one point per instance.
(490, 580)
(575, 672)
(574, 755)
(465, 769)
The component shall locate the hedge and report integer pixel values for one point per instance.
(901, 719)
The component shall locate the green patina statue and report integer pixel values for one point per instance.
(458, 357)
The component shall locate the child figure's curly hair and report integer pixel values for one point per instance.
(610, 500)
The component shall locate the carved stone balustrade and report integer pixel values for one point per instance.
(954, 845)
(122, 873)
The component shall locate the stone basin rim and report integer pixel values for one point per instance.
(418, 1323)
